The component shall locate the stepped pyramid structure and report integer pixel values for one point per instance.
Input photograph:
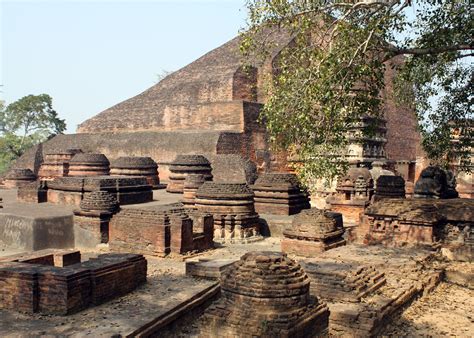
(209, 107)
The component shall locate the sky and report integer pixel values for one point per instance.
(90, 55)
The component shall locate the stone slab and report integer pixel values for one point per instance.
(36, 226)
(204, 268)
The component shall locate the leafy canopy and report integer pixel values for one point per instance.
(24, 123)
(332, 74)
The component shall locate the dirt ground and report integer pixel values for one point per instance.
(447, 311)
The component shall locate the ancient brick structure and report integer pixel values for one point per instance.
(56, 164)
(40, 286)
(114, 275)
(233, 168)
(91, 220)
(265, 294)
(86, 164)
(279, 194)
(233, 209)
(342, 282)
(462, 129)
(457, 232)
(211, 107)
(398, 222)
(190, 186)
(184, 165)
(435, 182)
(127, 190)
(161, 230)
(18, 177)
(208, 268)
(313, 231)
(379, 169)
(136, 166)
(363, 148)
(389, 187)
(353, 194)
(52, 257)
(34, 192)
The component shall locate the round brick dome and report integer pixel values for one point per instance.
(277, 179)
(86, 158)
(101, 201)
(85, 164)
(314, 223)
(266, 294)
(131, 162)
(191, 160)
(224, 191)
(184, 165)
(266, 274)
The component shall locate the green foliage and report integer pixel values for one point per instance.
(332, 73)
(25, 123)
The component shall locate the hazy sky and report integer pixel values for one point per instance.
(90, 55)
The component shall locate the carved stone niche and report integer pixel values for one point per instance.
(184, 165)
(353, 194)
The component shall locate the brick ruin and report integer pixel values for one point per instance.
(18, 177)
(190, 186)
(400, 222)
(389, 187)
(313, 231)
(34, 192)
(233, 209)
(161, 230)
(136, 166)
(233, 168)
(56, 164)
(379, 168)
(353, 194)
(265, 294)
(128, 190)
(87, 164)
(211, 107)
(279, 194)
(185, 165)
(435, 182)
(91, 220)
(37, 284)
(344, 282)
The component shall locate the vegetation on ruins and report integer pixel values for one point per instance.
(333, 73)
(25, 123)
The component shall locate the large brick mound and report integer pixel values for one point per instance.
(208, 107)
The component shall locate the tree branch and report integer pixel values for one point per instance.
(394, 51)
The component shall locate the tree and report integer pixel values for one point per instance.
(332, 74)
(24, 123)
